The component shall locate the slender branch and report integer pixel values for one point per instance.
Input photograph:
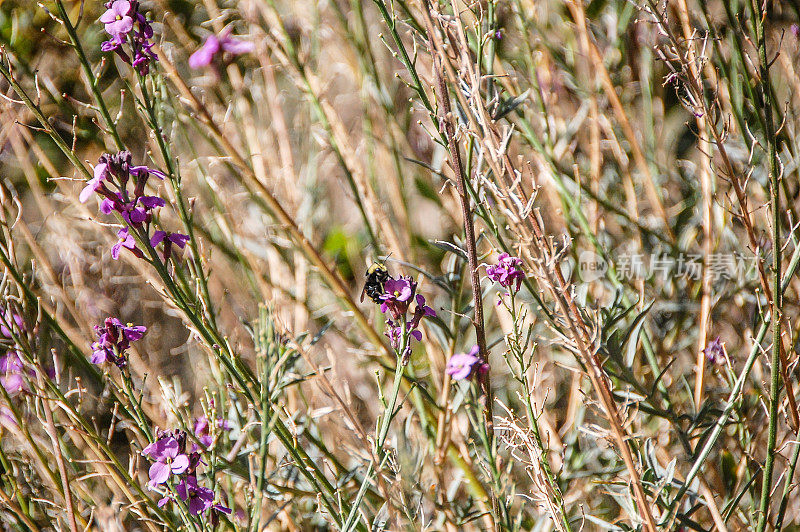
(759, 20)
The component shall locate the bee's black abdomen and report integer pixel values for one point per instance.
(376, 277)
(374, 293)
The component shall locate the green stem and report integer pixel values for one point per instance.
(383, 431)
(777, 303)
(532, 418)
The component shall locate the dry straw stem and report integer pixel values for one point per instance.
(538, 253)
(704, 148)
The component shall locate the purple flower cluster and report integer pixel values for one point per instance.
(214, 46)
(398, 296)
(113, 340)
(715, 352)
(465, 365)
(506, 272)
(112, 175)
(169, 457)
(125, 24)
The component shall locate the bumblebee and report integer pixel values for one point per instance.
(377, 275)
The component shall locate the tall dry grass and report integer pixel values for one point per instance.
(637, 157)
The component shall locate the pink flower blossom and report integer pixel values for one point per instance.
(214, 46)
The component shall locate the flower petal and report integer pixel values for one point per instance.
(159, 473)
(180, 464)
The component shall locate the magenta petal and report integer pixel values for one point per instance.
(237, 47)
(87, 191)
(205, 54)
(180, 464)
(99, 356)
(108, 17)
(151, 202)
(460, 373)
(13, 383)
(223, 509)
(159, 473)
(179, 239)
(107, 206)
(169, 448)
(100, 171)
(120, 27)
(181, 489)
(158, 236)
(163, 502)
(121, 7)
(196, 505)
(137, 216)
(150, 449)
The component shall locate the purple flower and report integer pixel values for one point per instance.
(506, 272)
(178, 239)
(168, 460)
(169, 239)
(125, 23)
(715, 351)
(463, 365)
(199, 498)
(118, 20)
(113, 340)
(144, 171)
(125, 241)
(134, 212)
(94, 184)
(202, 429)
(118, 169)
(213, 46)
(397, 296)
(421, 311)
(12, 373)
